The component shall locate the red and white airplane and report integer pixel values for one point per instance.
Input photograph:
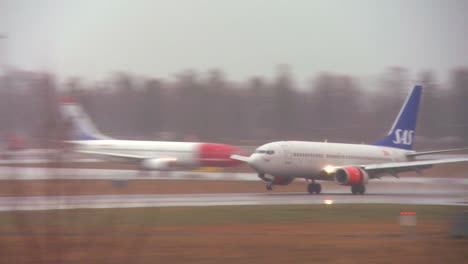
(150, 155)
(279, 163)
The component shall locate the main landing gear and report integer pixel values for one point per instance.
(358, 189)
(269, 186)
(314, 188)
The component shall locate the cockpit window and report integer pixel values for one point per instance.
(268, 152)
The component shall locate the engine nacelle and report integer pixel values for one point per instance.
(276, 180)
(351, 176)
(155, 164)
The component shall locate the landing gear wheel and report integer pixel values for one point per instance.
(314, 188)
(362, 189)
(269, 187)
(318, 188)
(358, 189)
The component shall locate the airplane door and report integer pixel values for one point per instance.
(287, 154)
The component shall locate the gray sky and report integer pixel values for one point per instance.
(92, 38)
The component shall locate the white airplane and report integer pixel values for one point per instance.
(150, 155)
(279, 163)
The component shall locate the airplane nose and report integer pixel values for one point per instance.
(256, 162)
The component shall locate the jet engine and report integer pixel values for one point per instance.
(155, 164)
(351, 176)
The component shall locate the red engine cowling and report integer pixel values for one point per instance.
(351, 176)
(276, 180)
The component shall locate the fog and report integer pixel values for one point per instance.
(209, 107)
(92, 39)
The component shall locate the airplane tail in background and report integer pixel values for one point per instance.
(82, 128)
(402, 133)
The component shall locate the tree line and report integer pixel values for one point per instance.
(209, 107)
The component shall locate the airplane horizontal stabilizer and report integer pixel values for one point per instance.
(415, 154)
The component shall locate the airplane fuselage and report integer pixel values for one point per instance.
(278, 163)
(301, 159)
(185, 154)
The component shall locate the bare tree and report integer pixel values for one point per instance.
(459, 87)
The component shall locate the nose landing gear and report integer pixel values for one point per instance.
(314, 188)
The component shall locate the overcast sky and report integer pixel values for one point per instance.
(92, 38)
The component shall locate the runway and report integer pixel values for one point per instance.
(388, 190)
(167, 200)
(31, 173)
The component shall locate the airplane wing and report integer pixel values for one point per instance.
(415, 154)
(115, 156)
(146, 162)
(393, 168)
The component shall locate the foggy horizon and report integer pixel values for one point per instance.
(159, 38)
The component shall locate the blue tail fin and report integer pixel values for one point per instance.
(82, 128)
(402, 133)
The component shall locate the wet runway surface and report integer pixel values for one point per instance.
(30, 173)
(165, 200)
(406, 190)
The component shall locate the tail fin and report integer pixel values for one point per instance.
(82, 128)
(402, 133)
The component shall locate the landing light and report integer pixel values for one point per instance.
(329, 169)
(168, 159)
(328, 201)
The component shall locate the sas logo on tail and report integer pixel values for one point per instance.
(404, 137)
